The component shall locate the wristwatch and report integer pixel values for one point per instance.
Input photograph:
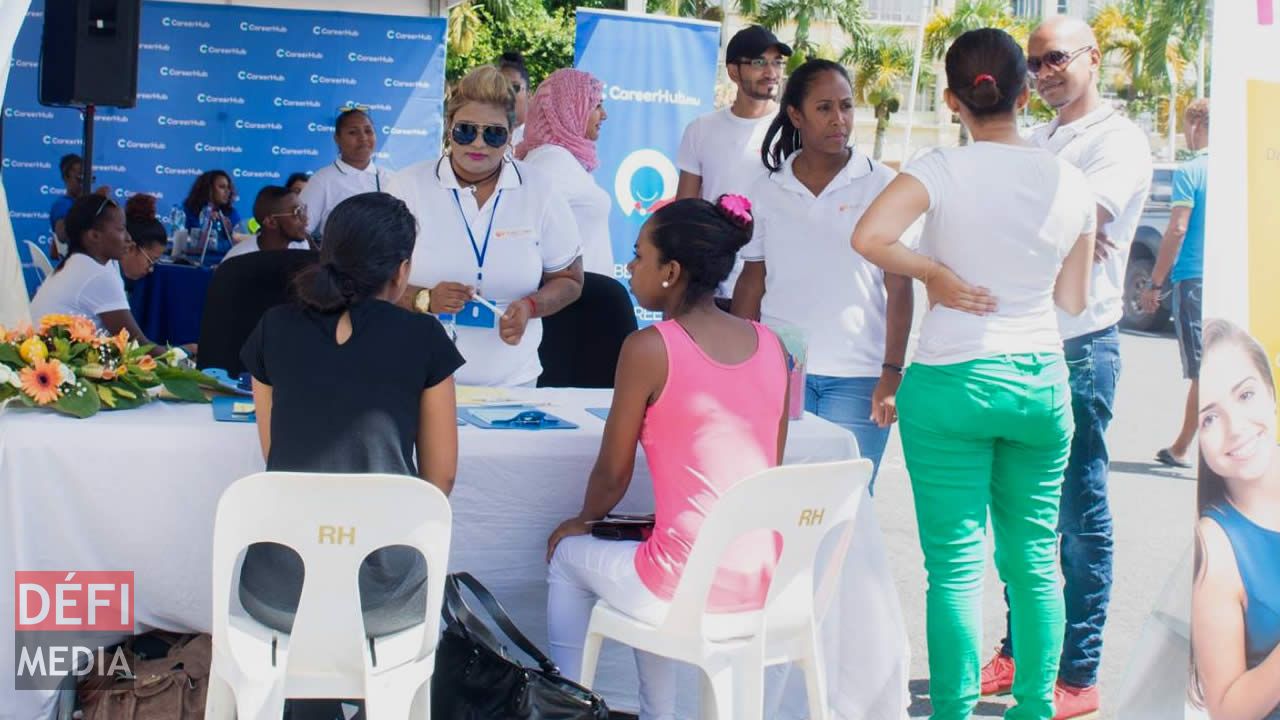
(422, 301)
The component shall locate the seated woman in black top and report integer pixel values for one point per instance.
(347, 382)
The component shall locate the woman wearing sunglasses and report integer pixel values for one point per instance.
(492, 232)
(88, 282)
(149, 237)
(564, 125)
(354, 171)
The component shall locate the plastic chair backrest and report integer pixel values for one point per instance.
(333, 522)
(803, 504)
(40, 260)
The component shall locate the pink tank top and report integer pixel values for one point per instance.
(712, 426)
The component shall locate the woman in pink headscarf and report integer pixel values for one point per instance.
(560, 137)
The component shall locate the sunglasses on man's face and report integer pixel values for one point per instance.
(495, 136)
(299, 211)
(762, 63)
(1056, 60)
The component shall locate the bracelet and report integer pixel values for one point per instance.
(533, 306)
(891, 366)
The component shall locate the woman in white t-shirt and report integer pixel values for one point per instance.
(88, 282)
(985, 406)
(799, 270)
(352, 173)
(492, 231)
(560, 139)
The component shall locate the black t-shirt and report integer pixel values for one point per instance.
(354, 407)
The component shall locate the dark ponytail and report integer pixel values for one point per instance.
(366, 238)
(704, 238)
(783, 138)
(87, 213)
(986, 71)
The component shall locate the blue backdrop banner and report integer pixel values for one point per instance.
(659, 74)
(253, 91)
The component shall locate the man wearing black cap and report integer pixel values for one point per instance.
(720, 152)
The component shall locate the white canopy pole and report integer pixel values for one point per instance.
(925, 7)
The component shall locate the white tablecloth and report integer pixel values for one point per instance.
(137, 490)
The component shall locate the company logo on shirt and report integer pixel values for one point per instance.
(646, 180)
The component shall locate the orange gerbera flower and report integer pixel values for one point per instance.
(147, 363)
(122, 341)
(40, 382)
(52, 320)
(83, 330)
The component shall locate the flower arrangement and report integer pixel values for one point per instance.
(70, 366)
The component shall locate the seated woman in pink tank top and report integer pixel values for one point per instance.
(705, 393)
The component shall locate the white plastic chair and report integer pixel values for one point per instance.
(40, 260)
(333, 522)
(803, 504)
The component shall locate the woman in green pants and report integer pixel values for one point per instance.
(985, 407)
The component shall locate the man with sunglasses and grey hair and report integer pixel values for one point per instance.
(720, 151)
(1063, 61)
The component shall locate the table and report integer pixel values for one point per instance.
(169, 302)
(74, 494)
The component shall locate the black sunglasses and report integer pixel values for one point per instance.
(495, 136)
(103, 206)
(1054, 60)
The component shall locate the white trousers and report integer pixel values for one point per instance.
(584, 569)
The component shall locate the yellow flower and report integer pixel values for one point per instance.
(40, 382)
(48, 322)
(120, 371)
(122, 341)
(83, 330)
(33, 350)
(147, 363)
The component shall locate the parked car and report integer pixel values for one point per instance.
(1142, 255)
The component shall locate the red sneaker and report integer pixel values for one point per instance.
(1073, 703)
(997, 675)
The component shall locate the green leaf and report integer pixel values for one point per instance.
(61, 349)
(9, 356)
(184, 389)
(81, 401)
(107, 397)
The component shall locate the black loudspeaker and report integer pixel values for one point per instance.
(89, 53)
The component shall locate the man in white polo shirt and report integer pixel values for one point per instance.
(1114, 154)
(720, 151)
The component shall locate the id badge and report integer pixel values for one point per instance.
(473, 314)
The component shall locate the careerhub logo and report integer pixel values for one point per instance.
(186, 24)
(111, 168)
(394, 83)
(27, 114)
(180, 122)
(50, 190)
(251, 27)
(214, 50)
(166, 71)
(24, 64)
(113, 118)
(62, 141)
(286, 54)
(326, 80)
(206, 148)
(129, 192)
(259, 77)
(126, 144)
(659, 97)
(289, 151)
(154, 47)
(156, 96)
(358, 58)
(320, 128)
(334, 32)
(413, 132)
(64, 622)
(26, 164)
(249, 125)
(204, 99)
(646, 180)
(376, 107)
(397, 35)
(261, 174)
(166, 170)
(291, 103)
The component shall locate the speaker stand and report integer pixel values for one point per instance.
(86, 179)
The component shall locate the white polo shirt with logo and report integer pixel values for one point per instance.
(1115, 157)
(531, 231)
(814, 279)
(334, 183)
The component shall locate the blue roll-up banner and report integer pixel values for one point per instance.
(659, 74)
(253, 91)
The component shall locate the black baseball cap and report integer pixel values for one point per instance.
(751, 42)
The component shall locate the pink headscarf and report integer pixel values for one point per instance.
(558, 115)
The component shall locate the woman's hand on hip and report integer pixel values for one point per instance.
(945, 287)
(449, 297)
(568, 528)
(513, 322)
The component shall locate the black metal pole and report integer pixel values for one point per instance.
(86, 180)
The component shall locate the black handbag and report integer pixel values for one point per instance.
(476, 678)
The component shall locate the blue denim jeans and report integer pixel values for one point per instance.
(1084, 517)
(847, 403)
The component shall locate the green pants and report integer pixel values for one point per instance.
(991, 434)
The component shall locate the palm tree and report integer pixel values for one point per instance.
(945, 27)
(848, 14)
(465, 21)
(882, 64)
(1154, 40)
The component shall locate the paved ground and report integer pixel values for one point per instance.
(1153, 506)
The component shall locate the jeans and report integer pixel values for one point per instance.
(1084, 522)
(846, 401)
(585, 568)
(989, 436)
